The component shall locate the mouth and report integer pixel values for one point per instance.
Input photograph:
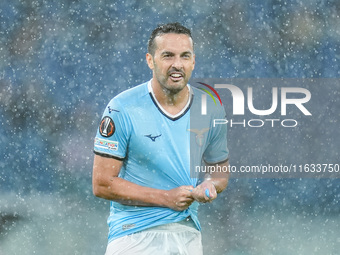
(176, 76)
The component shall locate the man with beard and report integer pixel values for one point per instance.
(143, 154)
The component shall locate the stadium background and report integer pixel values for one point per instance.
(62, 61)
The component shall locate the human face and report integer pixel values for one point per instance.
(173, 61)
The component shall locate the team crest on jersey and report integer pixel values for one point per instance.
(199, 135)
(107, 127)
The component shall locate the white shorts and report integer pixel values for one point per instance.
(175, 238)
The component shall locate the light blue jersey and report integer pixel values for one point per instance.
(155, 148)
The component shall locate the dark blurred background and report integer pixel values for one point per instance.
(62, 61)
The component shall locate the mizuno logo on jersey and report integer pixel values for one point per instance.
(153, 138)
(111, 110)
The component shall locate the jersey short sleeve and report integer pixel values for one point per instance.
(113, 132)
(217, 149)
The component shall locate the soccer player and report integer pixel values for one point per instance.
(147, 144)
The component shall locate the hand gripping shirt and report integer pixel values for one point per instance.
(159, 150)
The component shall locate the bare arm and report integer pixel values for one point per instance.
(106, 184)
(215, 182)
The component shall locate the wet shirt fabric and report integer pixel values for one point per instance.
(159, 150)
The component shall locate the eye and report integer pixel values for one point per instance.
(186, 56)
(167, 56)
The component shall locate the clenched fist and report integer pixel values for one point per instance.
(179, 198)
(199, 193)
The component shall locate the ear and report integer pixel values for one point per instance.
(149, 60)
(193, 62)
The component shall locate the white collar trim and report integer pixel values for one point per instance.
(172, 116)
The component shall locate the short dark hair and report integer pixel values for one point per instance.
(175, 28)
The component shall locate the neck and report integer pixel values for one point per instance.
(172, 101)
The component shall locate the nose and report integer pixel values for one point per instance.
(177, 64)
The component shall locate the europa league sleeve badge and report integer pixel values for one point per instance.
(107, 127)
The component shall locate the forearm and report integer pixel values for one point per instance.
(128, 193)
(106, 184)
(219, 179)
(220, 183)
